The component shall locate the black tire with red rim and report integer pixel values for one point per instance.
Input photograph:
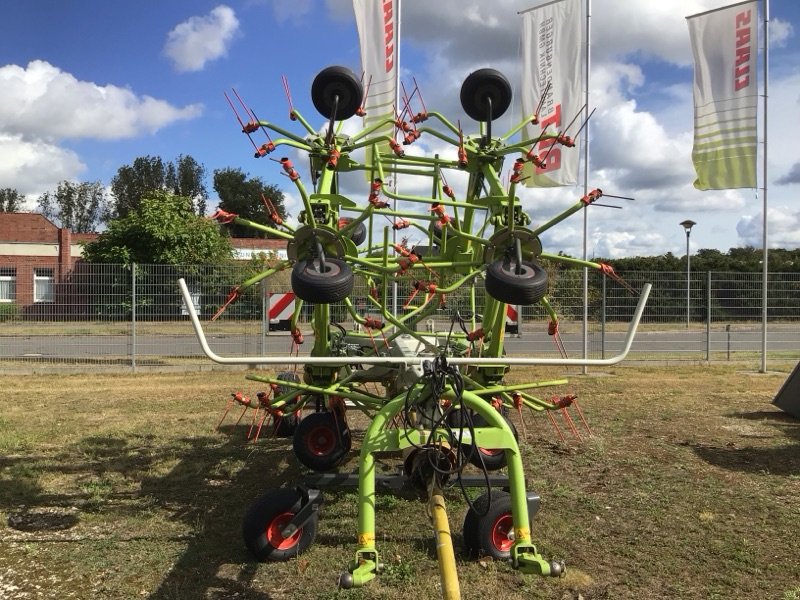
(322, 440)
(489, 526)
(492, 458)
(263, 525)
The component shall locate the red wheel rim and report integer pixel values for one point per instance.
(274, 535)
(503, 532)
(321, 441)
(491, 451)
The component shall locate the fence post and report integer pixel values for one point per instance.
(133, 317)
(708, 317)
(264, 317)
(603, 321)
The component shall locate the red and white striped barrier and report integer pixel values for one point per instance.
(281, 310)
(512, 319)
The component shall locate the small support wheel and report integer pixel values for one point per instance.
(324, 283)
(358, 235)
(264, 523)
(322, 440)
(491, 458)
(489, 526)
(526, 287)
(337, 89)
(485, 94)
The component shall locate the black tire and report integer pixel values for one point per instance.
(332, 82)
(333, 285)
(527, 287)
(478, 88)
(264, 520)
(425, 251)
(492, 459)
(287, 423)
(358, 235)
(321, 441)
(489, 526)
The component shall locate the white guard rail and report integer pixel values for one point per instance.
(407, 360)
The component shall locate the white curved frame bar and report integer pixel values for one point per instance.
(407, 360)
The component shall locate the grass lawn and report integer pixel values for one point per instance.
(117, 486)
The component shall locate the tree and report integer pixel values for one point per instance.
(79, 207)
(241, 194)
(163, 229)
(149, 174)
(11, 200)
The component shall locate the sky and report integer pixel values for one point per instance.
(89, 85)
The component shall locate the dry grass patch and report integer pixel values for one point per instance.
(117, 486)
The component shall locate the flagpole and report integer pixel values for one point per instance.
(586, 187)
(398, 20)
(765, 257)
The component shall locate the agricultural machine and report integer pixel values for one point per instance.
(438, 398)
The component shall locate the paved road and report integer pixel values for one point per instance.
(687, 343)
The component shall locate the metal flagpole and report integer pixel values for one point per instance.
(397, 106)
(586, 188)
(765, 270)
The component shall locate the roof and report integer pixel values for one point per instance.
(258, 243)
(27, 227)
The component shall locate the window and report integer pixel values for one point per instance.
(43, 285)
(8, 284)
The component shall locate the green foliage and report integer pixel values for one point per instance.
(8, 311)
(163, 229)
(11, 200)
(150, 174)
(743, 260)
(241, 194)
(79, 207)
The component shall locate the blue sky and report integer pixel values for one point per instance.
(90, 85)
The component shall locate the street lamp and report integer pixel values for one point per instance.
(687, 225)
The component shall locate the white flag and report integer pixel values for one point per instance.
(725, 46)
(376, 21)
(552, 38)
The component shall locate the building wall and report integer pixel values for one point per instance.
(29, 241)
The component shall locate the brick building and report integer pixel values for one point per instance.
(37, 258)
(34, 256)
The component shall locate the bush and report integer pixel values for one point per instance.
(8, 312)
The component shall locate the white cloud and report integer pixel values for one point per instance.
(33, 167)
(198, 40)
(42, 105)
(783, 228)
(779, 33)
(42, 101)
(294, 10)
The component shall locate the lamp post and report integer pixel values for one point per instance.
(687, 225)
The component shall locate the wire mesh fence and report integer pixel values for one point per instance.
(103, 316)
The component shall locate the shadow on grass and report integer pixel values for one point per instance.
(212, 483)
(782, 460)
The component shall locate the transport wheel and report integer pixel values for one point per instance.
(336, 89)
(321, 441)
(264, 522)
(489, 526)
(527, 287)
(479, 88)
(492, 458)
(358, 235)
(326, 285)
